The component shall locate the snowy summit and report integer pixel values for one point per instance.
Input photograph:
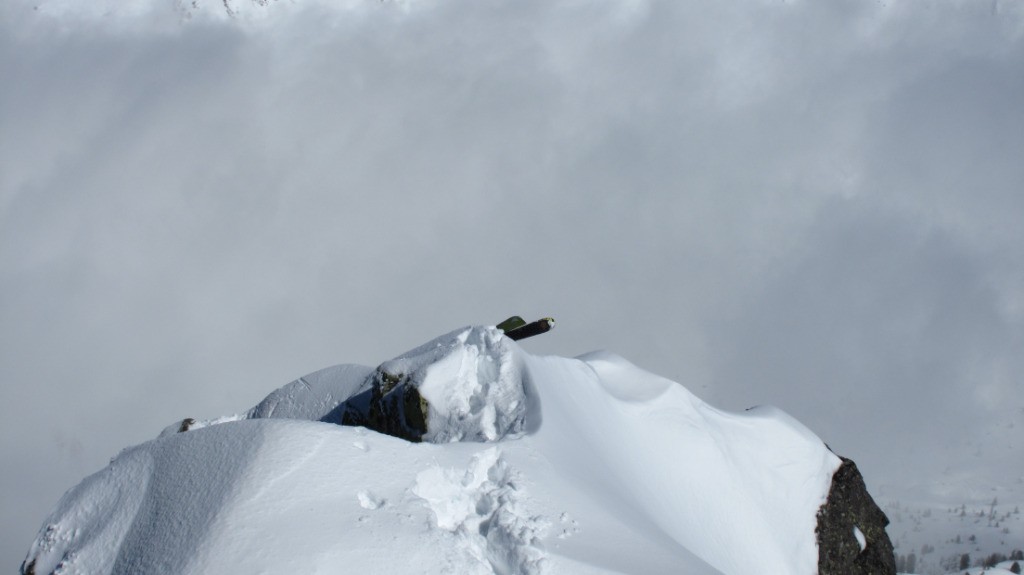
(464, 455)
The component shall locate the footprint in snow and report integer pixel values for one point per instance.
(570, 526)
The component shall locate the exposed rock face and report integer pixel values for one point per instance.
(848, 509)
(392, 405)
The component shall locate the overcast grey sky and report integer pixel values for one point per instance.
(816, 205)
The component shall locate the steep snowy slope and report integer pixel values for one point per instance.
(529, 465)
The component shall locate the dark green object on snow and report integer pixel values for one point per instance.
(517, 329)
(511, 323)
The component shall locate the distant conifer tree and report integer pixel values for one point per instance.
(992, 559)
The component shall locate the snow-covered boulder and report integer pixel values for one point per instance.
(463, 386)
(626, 472)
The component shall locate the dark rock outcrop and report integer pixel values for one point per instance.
(392, 405)
(850, 507)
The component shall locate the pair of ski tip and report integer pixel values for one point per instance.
(516, 328)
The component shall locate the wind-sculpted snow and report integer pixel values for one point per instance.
(627, 472)
(314, 396)
(702, 476)
(153, 509)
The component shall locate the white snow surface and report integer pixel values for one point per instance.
(472, 381)
(532, 465)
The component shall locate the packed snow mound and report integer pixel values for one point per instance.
(472, 383)
(627, 472)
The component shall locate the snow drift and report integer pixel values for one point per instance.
(526, 465)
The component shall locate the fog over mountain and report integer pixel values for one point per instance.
(812, 205)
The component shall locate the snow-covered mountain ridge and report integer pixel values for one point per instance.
(526, 465)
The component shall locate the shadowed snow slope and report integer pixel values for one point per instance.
(531, 465)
